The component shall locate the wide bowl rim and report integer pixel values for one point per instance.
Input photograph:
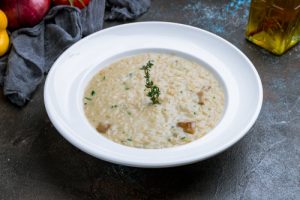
(65, 132)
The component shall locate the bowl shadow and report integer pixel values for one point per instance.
(84, 177)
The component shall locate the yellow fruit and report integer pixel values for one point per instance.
(3, 20)
(4, 38)
(4, 42)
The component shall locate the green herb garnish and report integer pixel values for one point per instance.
(114, 106)
(93, 93)
(103, 78)
(126, 86)
(154, 90)
(87, 98)
(129, 139)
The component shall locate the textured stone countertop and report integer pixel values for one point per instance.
(37, 163)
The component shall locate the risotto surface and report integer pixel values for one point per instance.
(117, 105)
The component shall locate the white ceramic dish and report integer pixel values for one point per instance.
(71, 72)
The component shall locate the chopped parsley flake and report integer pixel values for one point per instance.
(93, 92)
(87, 98)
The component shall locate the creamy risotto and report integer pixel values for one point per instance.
(117, 103)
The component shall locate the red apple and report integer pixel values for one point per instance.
(24, 13)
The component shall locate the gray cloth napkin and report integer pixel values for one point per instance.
(35, 49)
(126, 9)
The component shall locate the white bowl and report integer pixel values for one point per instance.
(71, 72)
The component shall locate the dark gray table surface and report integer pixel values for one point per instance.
(37, 163)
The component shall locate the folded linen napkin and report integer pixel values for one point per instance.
(35, 49)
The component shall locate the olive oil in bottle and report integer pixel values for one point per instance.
(274, 24)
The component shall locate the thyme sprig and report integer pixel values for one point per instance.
(154, 90)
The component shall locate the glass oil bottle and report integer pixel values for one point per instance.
(274, 24)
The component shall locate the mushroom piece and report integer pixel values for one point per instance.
(102, 128)
(188, 127)
(201, 97)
